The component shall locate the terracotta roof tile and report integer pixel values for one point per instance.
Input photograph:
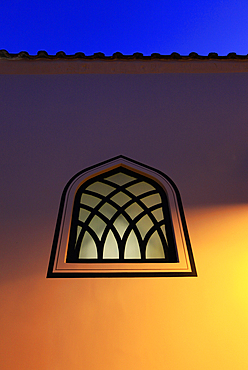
(42, 54)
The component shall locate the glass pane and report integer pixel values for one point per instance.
(151, 200)
(89, 200)
(154, 247)
(120, 198)
(133, 210)
(163, 229)
(144, 225)
(140, 188)
(107, 210)
(120, 178)
(97, 225)
(121, 224)
(78, 231)
(158, 213)
(110, 247)
(83, 214)
(100, 188)
(88, 247)
(132, 249)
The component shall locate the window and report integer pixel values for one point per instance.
(121, 215)
(121, 218)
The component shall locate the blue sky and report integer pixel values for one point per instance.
(108, 26)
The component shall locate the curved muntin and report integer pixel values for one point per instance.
(60, 268)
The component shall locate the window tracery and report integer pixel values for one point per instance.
(121, 218)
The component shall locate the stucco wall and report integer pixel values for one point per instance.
(193, 127)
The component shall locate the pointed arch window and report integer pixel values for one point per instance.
(126, 219)
(121, 215)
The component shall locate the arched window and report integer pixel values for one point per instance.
(121, 215)
(121, 223)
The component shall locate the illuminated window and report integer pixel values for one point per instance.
(121, 218)
(123, 215)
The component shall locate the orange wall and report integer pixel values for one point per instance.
(158, 323)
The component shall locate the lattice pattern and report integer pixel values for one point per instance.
(121, 216)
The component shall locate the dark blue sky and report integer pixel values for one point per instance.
(145, 26)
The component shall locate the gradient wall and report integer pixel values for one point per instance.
(192, 126)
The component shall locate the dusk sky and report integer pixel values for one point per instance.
(109, 26)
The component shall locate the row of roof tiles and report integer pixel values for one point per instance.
(62, 55)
